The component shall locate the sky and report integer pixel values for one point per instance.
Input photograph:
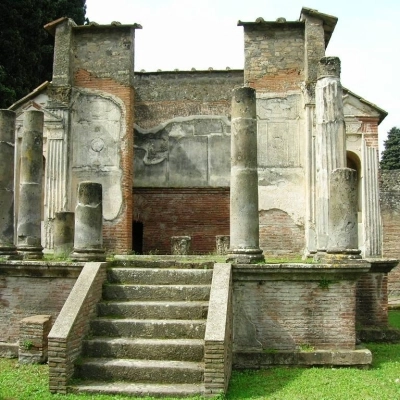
(181, 34)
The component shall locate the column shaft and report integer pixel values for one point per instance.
(7, 147)
(88, 236)
(343, 225)
(330, 139)
(30, 188)
(244, 222)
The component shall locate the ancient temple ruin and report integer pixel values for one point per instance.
(278, 156)
(159, 142)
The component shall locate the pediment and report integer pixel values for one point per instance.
(355, 106)
(49, 117)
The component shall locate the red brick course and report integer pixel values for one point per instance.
(201, 213)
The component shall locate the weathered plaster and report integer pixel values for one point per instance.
(98, 125)
(184, 151)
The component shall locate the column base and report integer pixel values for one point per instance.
(30, 252)
(245, 256)
(88, 255)
(9, 253)
(337, 255)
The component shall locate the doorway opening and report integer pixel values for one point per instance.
(137, 237)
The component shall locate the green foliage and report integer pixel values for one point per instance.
(325, 283)
(306, 347)
(391, 154)
(26, 49)
(27, 344)
(394, 318)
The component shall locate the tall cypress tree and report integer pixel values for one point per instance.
(391, 154)
(26, 49)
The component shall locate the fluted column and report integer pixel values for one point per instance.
(30, 188)
(371, 209)
(330, 139)
(7, 146)
(244, 222)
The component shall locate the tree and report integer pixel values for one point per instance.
(26, 49)
(391, 154)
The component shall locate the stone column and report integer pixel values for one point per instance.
(88, 237)
(7, 141)
(371, 207)
(330, 139)
(30, 187)
(244, 222)
(64, 228)
(342, 223)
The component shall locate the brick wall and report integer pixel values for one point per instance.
(274, 56)
(161, 96)
(25, 296)
(390, 210)
(288, 315)
(201, 213)
(279, 235)
(372, 300)
(369, 128)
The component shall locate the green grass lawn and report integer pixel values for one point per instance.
(380, 382)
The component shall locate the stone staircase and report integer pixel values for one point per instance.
(148, 336)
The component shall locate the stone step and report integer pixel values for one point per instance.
(151, 349)
(156, 276)
(154, 309)
(183, 262)
(148, 328)
(139, 389)
(159, 292)
(149, 371)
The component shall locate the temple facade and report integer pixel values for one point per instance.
(159, 142)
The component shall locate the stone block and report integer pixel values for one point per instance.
(33, 346)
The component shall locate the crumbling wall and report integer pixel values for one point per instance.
(274, 66)
(162, 96)
(275, 224)
(102, 124)
(390, 211)
(182, 144)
